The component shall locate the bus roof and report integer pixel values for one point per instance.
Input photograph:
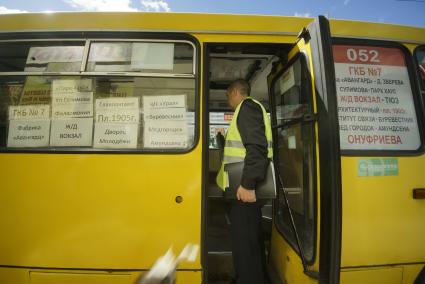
(199, 23)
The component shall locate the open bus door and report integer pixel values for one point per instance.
(306, 236)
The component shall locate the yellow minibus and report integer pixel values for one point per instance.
(108, 150)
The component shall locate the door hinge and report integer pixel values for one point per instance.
(304, 34)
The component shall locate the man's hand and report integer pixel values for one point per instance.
(246, 195)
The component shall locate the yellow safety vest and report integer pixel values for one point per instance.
(234, 150)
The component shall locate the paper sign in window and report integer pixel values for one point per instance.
(154, 56)
(29, 112)
(165, 134)
(69, 86)
(172, 107)
(72, 105)
(76, 132)
(116, 135)
(165, 122)
(72, 99)
(28, 133)
(29, 126)
(117, 123)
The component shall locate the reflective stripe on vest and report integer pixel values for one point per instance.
(234, 150)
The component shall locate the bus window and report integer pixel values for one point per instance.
(296, 160)
(41, 56)
(420, 57)
(376, 103)
(148, 57)
(96, 111)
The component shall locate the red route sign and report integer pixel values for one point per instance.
(373, 55)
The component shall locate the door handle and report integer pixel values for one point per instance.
(419, 193)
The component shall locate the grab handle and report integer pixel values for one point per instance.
(419, 193)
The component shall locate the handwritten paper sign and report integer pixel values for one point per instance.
(117, 123)
(29, 112)
(75, 132)
(72, 99)
(27, 133)
(70, 86)
(165, 122)
(110, 135)
(29, 126)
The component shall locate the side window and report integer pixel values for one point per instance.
(295, 155)
(115, 103)
(376, 102)
(420, 58)
(147, 57)
(58, 56)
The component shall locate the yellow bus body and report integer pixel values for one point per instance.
(104, 218)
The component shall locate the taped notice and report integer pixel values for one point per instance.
(28, 133)
(77, 132)
(108, 135)
(375, 101)
(29, 112)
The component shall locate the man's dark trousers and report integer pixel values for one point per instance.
(247, 242)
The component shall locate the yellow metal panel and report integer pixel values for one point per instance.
(77, 278)
(377, 30)
(254, 38)
(14, 275)
(382, 223)
(153, 21)
(390, 275)
(98, 211)
(45, 276)
(189, 277)
(410, 272)
(286, 262)
(200, 22)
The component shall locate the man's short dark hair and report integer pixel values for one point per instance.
(242, 85)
